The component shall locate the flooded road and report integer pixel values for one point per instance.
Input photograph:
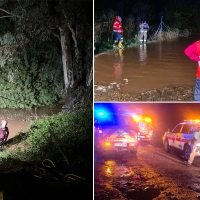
(145, 67)
(19, 119)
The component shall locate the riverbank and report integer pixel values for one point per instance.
(51, 160)
(182, 93)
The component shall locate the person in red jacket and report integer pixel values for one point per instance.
(193, 52)
(4, 132)
(118, 32)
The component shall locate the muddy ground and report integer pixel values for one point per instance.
(182, 93)
(151, 174)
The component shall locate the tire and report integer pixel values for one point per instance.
(166, 145)
(186, 152)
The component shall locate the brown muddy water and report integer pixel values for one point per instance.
(145, 67)
(19, 119)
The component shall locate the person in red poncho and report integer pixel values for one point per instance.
(193, 52)
(118, 32)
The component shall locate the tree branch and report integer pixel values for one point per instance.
(11, 15)
(56, 35)
(73, 35)
(5, 16)
(21, 5)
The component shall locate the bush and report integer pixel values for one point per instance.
(64, 137)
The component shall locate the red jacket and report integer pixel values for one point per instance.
(193, 52)
(117, 26)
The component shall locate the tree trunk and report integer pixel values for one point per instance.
(67, 68)
(64, 58)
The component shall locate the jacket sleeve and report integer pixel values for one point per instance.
(191, 52)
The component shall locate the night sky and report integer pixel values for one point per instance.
(155, 9)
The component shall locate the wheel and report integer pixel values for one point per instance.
(166, 146)
(186, 152)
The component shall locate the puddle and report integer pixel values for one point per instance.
(146, 194)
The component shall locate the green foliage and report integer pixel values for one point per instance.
(68, 134)
(35, 78)
(36, 28)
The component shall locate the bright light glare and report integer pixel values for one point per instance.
(147, 119)
(101, 113)
(192, 120)
(107, 144)
(108, 170)
(136, 118)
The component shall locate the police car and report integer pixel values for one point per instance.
(117, 133)
(179, 137)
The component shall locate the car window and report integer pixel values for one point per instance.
(124, 120)
(187, 129)
(192, 129)
(177, 128)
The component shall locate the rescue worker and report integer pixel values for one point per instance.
(144, 27)
(4, 131)
(193, 52)
(196, 146)
(118, 33)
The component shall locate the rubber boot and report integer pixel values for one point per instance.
(115, 44)
(120, 45)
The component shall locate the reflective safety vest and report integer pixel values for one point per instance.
(198, 52)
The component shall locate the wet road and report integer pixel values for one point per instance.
(145, 67)
(151, 174)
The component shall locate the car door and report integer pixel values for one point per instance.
(182, 137)
(176, 132)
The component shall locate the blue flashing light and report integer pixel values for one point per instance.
(101, 113)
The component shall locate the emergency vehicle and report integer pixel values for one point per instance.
(179, 137)
(119, 133)
(145, 127)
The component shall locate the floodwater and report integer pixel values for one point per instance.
(146, 66)
(19, 119)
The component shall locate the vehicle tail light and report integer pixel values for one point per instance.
(107, 144)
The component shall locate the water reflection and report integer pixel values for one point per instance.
(117, 170)
(118, 63)
(142, 53)
(164, 65)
